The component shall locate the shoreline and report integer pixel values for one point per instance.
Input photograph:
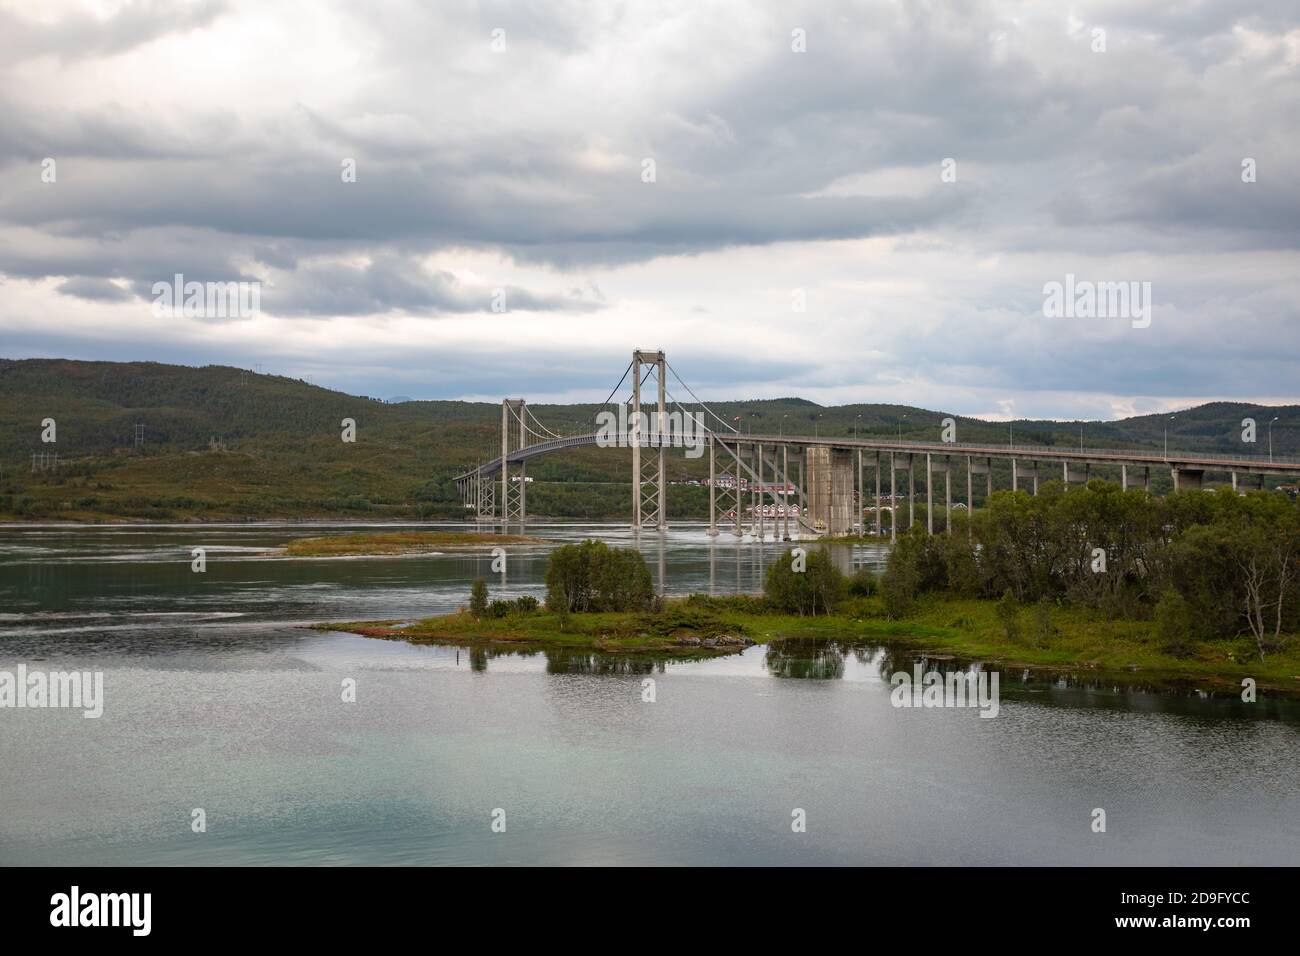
(1085, 645)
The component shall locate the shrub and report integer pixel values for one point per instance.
(1174, 624)
(863, 583)
(526, 604)
(1043, 629)
(498, 609)
(818, 586)
(592, 576)
(478, 598)
(1008, 611)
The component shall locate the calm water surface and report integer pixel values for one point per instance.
(216, 698)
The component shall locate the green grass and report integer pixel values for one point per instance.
(612, 633)
(1081, 641)
(396, 542)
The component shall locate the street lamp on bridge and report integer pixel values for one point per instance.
(1270, 439)
(1171, 418)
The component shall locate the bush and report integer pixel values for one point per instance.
(478, 598)
(863, 583)
(1174, 624)
(526, 604)
(1008, 611)
(498, 609)
(804, 589)
(592, 576)
(917, 564)
(1043, 629)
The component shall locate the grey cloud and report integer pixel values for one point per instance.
(93, 289)
(83, 35)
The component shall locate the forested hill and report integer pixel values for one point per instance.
(221, 441)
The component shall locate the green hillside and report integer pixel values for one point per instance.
(222, 443)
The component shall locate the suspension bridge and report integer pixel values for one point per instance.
(813, 485)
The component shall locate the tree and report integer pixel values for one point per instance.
(478, 598)
(1008, 611)
(592, 576)
(813, 586)
(1174, 624)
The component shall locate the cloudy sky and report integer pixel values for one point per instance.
(798, 151)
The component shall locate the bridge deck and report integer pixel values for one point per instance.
(1206, 461)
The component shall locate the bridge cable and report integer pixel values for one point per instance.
(699, 401)
(619, 385)
(529, 412)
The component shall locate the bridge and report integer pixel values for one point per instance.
(817, 484)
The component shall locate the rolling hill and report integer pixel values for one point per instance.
(225, 443)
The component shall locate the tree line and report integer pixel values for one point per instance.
(1210, 564)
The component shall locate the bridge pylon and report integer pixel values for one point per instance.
(514, 488)
(649, 474)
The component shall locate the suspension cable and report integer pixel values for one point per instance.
(725, 424)
(529, 412)
(619, 385)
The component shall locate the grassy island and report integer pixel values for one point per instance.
(362, 544)
(1076, 641)
(1199, 590)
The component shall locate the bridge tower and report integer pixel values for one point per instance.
(514, 489)
(649, 495)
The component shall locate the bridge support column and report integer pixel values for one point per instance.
(893, 498)
(740, 500)
(911, 491)
(859, 501)
(877, 494)
(830, 489)
(514, 500)
(785, 493)
(1017, 472)
(713, 493)
(947, 496)
(970, 494)
(1234, 481)
(1187, 479)
(929, 494)
(652, 508)
(505, 466)
(758, 501)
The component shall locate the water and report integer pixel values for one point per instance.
(217, 699)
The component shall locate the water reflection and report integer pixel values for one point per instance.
(823, 660)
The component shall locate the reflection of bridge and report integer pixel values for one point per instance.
(827, 473)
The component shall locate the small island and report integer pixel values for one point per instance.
(393, 543)
(601, 600)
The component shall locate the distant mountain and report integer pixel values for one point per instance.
(218, 441)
